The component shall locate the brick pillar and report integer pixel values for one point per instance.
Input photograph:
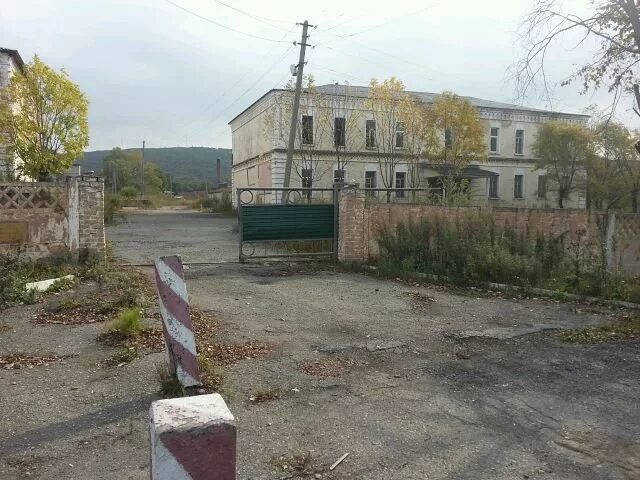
(89, 196)
(192, 438)
(351, 238)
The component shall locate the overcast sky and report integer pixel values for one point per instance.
(154, 71)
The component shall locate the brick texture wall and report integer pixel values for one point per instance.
(360, 222)
(91, 218)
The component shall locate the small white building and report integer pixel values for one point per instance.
(507, 177)
(10, 63)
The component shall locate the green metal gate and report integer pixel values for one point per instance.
(287, 222)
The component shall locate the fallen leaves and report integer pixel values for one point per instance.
(419, 300)
(15, 361)
(624, 328)
(147, 338)
(329, 367)
(230, 354)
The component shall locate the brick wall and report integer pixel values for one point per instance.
(91, 217)
(53, 220)
(360, 222)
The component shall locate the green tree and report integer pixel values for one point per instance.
(386, 102)
(119, 169)
(123, 169)
(45, 116)
(612, 25)
(564, 150)
(607, 186)
(458, 121)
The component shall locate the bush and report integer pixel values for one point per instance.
(16, 271)
(472, 249)
(112, 209)
(129, 191)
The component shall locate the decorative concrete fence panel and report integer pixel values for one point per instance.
(44, 220)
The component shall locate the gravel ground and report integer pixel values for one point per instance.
(413, 382)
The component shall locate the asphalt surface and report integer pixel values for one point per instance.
(427, 383)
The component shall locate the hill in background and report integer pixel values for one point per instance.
(196, 163)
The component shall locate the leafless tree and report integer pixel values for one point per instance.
(614, 24)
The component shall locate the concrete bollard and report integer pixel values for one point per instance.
(192, 438)
(180, 343)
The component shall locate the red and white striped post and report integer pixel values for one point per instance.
(192, 438)
(179, 340)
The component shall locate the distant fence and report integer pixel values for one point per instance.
(47, 220)
(360, 221)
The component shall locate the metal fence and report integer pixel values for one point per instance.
(287, 222)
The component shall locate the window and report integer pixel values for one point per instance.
(493, 186)
(339, 133)
(542, 186)
(448, 138)
(401, 183)
(519, 142)
(370, 181)
(307, 130)
(518, 182)
(493, 143)
(370, 133)
(307, 178)
(338, 176)
(399, 135)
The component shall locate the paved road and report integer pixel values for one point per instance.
(198, 237)
(428, 383)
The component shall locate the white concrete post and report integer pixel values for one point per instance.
(73, 217)
(192, 438)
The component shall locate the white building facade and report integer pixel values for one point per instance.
(506, 177)
(10, 64)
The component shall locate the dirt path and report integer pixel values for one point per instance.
(71, 418)
(413, 382)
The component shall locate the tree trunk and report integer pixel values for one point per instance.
(560, 200)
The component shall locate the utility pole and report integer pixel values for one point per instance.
(143, 143)
(296, 108)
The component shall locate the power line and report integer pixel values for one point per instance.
(248, 89)
(238, 80)
(377, 26)
(266, 21)
(201, 17)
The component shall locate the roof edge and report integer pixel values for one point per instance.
(16, 55)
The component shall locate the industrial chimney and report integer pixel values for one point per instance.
(218, 170)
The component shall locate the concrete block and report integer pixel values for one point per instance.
(192, 438)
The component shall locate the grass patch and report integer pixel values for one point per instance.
(127, 323)
(626, 328)
(211, 379)
(170, 386)
(267, 395)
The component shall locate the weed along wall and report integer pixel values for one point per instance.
(361, 220)
(45, 221)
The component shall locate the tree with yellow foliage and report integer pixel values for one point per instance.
(44, 115)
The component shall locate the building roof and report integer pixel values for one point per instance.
(15, 55)
(427, 97)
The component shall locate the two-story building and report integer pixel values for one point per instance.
(506, 177)
(10, 63)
